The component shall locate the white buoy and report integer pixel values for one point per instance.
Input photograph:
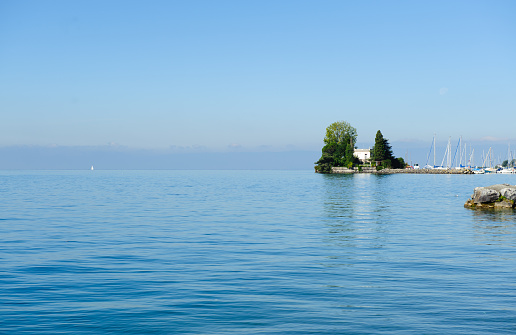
(92, 168)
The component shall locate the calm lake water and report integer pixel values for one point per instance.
(246, 252)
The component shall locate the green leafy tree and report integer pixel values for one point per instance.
(338, 149)
(349, 158)
(399, 163)
(327, 160)
(340, 132)
(506, 163)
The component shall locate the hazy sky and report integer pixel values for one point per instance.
(271, 74)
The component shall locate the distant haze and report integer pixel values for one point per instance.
(107, 158)
(158, 83)
(124, 158)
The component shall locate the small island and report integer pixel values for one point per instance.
(339, 155)
(500, 196)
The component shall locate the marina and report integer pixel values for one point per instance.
(459, 161)
(462, 159)
(343, 170)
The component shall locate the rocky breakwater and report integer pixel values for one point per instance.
(369, 169)
(425, 171)
(500, 196)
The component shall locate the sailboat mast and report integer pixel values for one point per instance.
(509, 155)
(447, 155)
(448, 163)
(460, 149)
(434, 150)
(465, 154)
(487, 158)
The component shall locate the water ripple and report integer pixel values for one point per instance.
(273, 252)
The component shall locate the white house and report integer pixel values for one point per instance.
(362, 154)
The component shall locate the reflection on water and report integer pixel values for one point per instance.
(406, 241)
(493, 216)
(356, 212)
(495, 226)
(220, 252)
(365, 214)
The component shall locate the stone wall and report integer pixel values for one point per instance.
(341, 170)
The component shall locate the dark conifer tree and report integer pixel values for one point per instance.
(382, 151)
(379, 147)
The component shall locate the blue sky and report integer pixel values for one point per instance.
(254, 75)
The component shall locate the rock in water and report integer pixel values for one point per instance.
(485, 195)
(504, 204)
(509, 193)
(500, 196)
